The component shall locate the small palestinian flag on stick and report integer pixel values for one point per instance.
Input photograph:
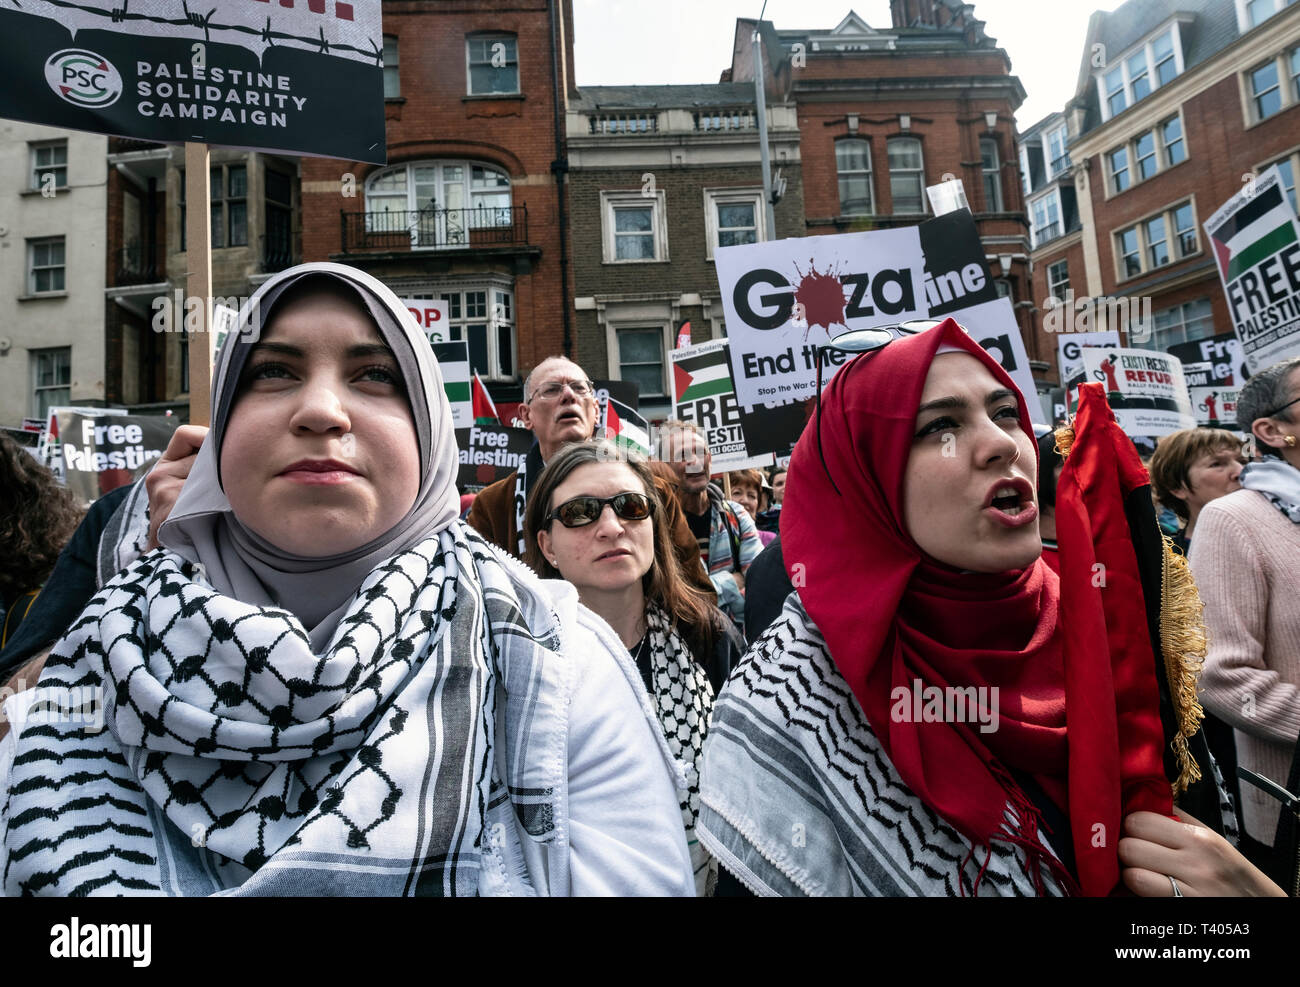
(703, 376)
(625, 428)
(1258, 230)
(485, 412)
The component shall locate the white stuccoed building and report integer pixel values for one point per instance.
(53, 231)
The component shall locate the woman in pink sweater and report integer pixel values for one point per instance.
(1246, 559)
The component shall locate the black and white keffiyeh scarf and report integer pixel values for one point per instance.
(224, 756)
(683, 702)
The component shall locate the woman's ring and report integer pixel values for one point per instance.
(1177, 893)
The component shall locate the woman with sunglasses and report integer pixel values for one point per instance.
(961, 721)
(596, 520)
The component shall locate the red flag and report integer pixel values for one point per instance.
(1113, 697)
(485, 412)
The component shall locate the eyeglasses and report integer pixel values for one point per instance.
(857, 342)
(580, 389)
(582, 511)
(1278, 411)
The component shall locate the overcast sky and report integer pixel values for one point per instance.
(656, 42)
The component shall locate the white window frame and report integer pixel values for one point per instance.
(492, 36)
(1053, 284)
(37, 387)
(1288, 85)
(444, 235)
(1025, 177)
(1132, 160)
(1164, 147)
(995, 173)
(493, 318)
(1243, 16)
(1035, 233)
(37, 172)
(1173, 243)
(32, 244)
(918, 171)
(395, 66)
(611, 200)
(714, 197)
(1292, 157)
(1161, 337)
(1112, 172)
(870, 173)
(665, 348)
(1145, 47)
(1064, 134)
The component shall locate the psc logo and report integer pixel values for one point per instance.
(83, 78)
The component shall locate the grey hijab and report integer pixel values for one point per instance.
(203, 529)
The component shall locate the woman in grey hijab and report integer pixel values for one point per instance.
(304, 691)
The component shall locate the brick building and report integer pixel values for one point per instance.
(468, 208)
(884, 113)
(1177, 100)
(660, 176)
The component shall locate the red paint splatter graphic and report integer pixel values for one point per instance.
(822, 299)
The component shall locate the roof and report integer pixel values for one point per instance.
(1213, 27)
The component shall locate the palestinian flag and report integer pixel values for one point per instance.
(485, 412)
(625, 428)
(1262, 226)
(704, 376)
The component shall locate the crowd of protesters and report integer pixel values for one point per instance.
(295, 659)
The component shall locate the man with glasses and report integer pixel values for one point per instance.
(560, 408)
(726, 537)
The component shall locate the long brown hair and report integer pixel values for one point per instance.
(689, 610)
(37, 517)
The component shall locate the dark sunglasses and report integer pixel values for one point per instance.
(581, 511)
(857, 342)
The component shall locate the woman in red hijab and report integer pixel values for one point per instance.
(920, 721)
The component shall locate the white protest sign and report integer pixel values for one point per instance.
(784, 298)
(993, 325)
(431, 316)
(1215, 406)
(1255, 238)
(1146, 390)
(703, 394)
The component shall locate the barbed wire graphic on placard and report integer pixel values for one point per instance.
(183, 21)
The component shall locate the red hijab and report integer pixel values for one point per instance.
(914, 618)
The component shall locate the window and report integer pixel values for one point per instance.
(906, 175)
(641, 360)
(50, 158)
(1046, 214)
(1058, 159)
(853, 163)
(277, 253)
(1119, 169)
(1265, 94)
(1130, 254)
(1185, 230)
(438, 203)
(991, 170)
(1058, 279)
(392, 83)
(1156, 63)
(1294, 70)
(1286, 169)
(228, 200)
(45, 265)
(1181, 324)
(1252, 13)
(733, 216)
(1145, 148)
(1171, 136)
(1157, 244)
(634, 227)
(51, 379)
(493, 64)
(1147, 245)
(489, 331)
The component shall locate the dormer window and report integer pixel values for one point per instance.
(1155, 63)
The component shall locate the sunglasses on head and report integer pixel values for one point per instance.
(857, 342)
(581, 511)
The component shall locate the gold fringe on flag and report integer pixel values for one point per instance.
(1184, 643)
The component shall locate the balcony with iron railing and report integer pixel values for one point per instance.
(277, 253)
(137, 264)
(479, 227)
(703, 121)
